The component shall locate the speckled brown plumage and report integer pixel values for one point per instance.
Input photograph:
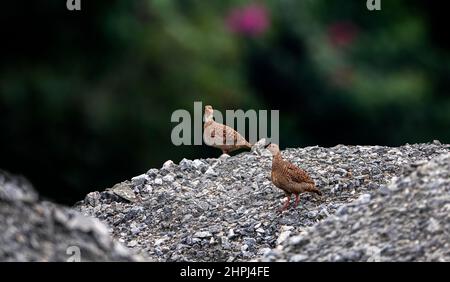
(290, 178)
(221, 136)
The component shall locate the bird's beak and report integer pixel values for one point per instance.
(267, 145)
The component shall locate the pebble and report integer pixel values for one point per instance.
(168, 164)
(283, 236)
(168, 178)
(433, 225)
(132, 243)
(203, 234)
(197, 164)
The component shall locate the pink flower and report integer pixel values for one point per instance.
(250, 20)
(342, 34)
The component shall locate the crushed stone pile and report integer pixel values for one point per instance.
(408, 220)
(35, 230)
(226, 209)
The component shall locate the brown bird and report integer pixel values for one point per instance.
(221, 136)
(290, 178)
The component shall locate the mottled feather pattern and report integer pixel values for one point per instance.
(285, 175)
(224, 137)
(290, 178)
(296, 174)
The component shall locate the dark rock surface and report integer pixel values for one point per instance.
(408, 220)
(379, 204)
(225, 209)
(34, 230)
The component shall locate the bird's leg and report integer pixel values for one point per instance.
(286, 204)
(297, 199)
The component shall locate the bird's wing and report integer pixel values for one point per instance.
(220, 134)
(231, 136)
(297, 174)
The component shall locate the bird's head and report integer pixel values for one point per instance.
(208, 113)
(273, 148)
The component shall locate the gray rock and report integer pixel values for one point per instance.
(210, 172)
(132, 243)
(407, 223)
(34, 230)
(185, 164)
(203, 234)
(283, 236)
(265, 153)
(260, 230)
(152, 173)
(234, 200)
(92, 198)
(16, 188)
(125, 191)
(298, 258)
(168, 178)
(168, 164)
(434, 225)
(197, 164)
(224, 157)
(140, 180)
(363, 199)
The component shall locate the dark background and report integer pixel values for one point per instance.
(86, 96)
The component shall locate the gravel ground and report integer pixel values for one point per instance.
(408, 220)
(34, 230)
(226, 209)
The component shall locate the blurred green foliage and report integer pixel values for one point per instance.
(86, 97)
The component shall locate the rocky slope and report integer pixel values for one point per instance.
(34, 230)
(409, 220)
(226, 209)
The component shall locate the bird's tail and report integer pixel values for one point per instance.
(245, 145)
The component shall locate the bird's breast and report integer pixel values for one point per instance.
(275, 179)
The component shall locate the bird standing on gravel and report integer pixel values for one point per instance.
(290, 178)
(221, 136)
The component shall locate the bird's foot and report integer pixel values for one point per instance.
(297, 200)
(286, 205)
